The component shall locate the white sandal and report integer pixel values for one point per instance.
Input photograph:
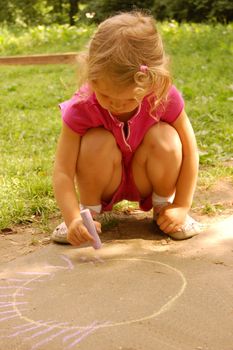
(59, 235)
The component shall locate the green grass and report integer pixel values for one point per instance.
(29, 128)
(201, 56)
(30, 119)
(43, 39)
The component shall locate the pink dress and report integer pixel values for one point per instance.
(83, 112)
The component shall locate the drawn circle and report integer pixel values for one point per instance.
(155, 312)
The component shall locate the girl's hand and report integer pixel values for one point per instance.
(172, 217)
(78, 234)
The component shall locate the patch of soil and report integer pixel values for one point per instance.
(20, 240)
(119, 226)
(220, 193)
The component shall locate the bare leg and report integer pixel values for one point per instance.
(98, 167)
(156, 164)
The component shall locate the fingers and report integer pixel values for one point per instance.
(79, 236)
(166, 225)
(170, 228)
(98, 226)
(171, 218)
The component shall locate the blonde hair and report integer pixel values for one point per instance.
(120, 46)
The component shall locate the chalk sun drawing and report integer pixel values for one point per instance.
(12, 308)
(42, 332)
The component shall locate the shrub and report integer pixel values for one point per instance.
(194, 10)
(105, 8)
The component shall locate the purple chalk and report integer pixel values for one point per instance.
(89, 223)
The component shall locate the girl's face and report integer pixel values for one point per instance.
(115, 100)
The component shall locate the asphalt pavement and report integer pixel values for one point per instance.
(132, 294)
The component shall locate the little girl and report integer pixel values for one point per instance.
(125, 134)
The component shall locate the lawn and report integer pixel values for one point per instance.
(30, 119)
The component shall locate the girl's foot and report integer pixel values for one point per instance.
(189, 229)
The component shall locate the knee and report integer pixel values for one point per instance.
(98, 144)
(162, 139)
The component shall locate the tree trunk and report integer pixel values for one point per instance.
(73, 11)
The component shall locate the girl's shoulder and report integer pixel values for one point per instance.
(81, 112)
(84, 94)
(82, 99)
(174, 93)
(173, 105)
(169, 108)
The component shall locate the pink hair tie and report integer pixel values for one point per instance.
(143, 68)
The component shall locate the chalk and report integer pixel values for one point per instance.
(69, 262)
(89, 223)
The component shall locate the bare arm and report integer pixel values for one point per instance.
(186, 183)
(64, 174)
(174, 215)
(64, 186)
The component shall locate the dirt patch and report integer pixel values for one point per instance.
(212, 205)
(21, 240)
(219, 193)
